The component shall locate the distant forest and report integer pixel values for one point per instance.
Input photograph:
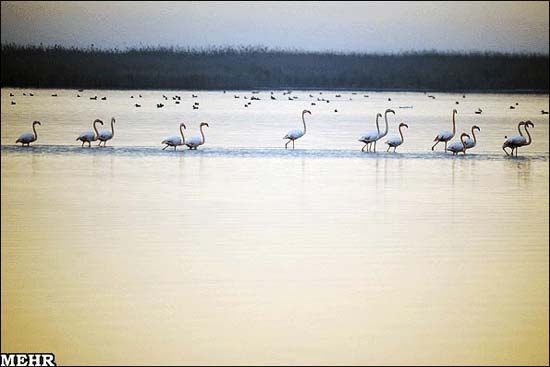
(262, 68)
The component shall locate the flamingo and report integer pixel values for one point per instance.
(28, 138)
(396, 141)
(105, 135)
(194, 142)
(296, 134)
(445, 136)
(89, 136)
(469, 142)
(459, 146)
(380, 136)
(514, 142)
(174, 141)
(371, 136)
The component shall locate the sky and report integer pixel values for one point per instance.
(314, 26)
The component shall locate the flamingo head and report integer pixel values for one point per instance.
(476, 127)
(204, 124)
(113, 120)
(455, 111)
(98, 121)
(306, 111)
(36, 123)
(390, 110)
(182, 124)
(529, 123)
(404, 124)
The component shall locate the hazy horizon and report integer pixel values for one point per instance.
(340, 27)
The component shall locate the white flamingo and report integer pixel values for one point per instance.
(296, 134)
(105, 135)
(89, 136)
(458, 146)
(469, 142)
(514, 142)
(28, 138)
(396, 141)
(371, 136)
(195, 141)
(445, 136)
(380, 136)
(174, 141)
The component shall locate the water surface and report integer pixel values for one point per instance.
(244, 253)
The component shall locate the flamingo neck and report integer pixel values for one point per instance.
(95, 128)
(34, 130)
(401, 133)
(377, 126)
(386, 119)
(454, 124)
(462, 141)
(304, 122)
(113, 127)
(182, 137)
(519, 130)
(202, 133)
(474, 136)
(527, 132)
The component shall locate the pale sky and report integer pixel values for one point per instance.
(316, 26)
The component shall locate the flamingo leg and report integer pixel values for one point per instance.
(292, 144)
(389, 146)
(174, 148)
(394, 148)
(287, 143)
(445, 146)
(505, 151)
(437, 142)
(375, 146)
(82, 144)
(165, 147)
(363, 149)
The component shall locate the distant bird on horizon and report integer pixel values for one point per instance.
(137, 105)
(479, 111)
(13, 103)
(544, 112)
(104, 98)
(93, 98)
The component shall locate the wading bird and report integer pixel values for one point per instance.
(514, 142)
(28, 138)
(396, 141)
(296, 134)
(458, 146)
(89, 136)
(195, 142)
(174, 141)
(371, 136)
(380, 136)
(469, 142)
(105, 135)
(445, 136)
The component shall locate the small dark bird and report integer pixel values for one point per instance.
(78, 95)
(290, 99)
(30, 94)
(194, 96)
(137, 105)
(104, 98)
(366, 96)
(131, 96)
(463, 96)
(195, 107)
(273, 98)
(327, 101)
(177, 102)
(517, 104)
(12, 102)
(81, 90)
(389, 99)
(160, 105)
(512, 108)
(236, 96)
(456, 102)
(94, 98)
(544, 112)
(196, 103)
(11, 94)
(246, 105)
(478, 112)
(54, 95)
(335, 110)
(24, 94)
(338, 96)
(313, 104)
(140, 96)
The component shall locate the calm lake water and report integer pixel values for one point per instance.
(244, 253)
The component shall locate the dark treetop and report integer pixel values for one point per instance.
(262, 68)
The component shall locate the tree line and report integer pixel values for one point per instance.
(262, 68)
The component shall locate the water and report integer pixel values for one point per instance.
(244, 253)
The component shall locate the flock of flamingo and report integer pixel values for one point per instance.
(369, 139)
